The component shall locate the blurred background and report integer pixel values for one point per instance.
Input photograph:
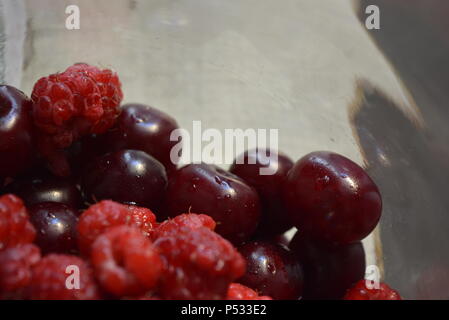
(309, 68)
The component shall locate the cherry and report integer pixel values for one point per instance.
(127, 176)
(272, 270)
(280, 239)
(207, 189)
(248, 166)
(144, 128)
(331, 198)
(55, 224)
(16, 132)
(84, 150)
(329, 269)
(41, 186)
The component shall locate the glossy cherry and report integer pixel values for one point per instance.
(42, 186)
(16, 132)
(331, 198)
(144, 128)
(329, 270)
(55, 224)
(207, 189)
(266, 171)
(272, 270)
(127, 176)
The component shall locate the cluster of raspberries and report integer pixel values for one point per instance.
(124, 254)
(81, 100)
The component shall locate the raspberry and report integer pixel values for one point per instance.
(50, 277)
(105, 214)
(237, 291)
(199, 264)
(15, 269)
(80, 101)
(361, 292)
(125, 261)
(190, 220)
(15, 226)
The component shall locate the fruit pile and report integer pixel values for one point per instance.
(91, 207)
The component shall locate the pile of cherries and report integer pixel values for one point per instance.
(331, 200)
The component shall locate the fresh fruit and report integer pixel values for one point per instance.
(56, 227)
(237, 291)
(266, 171)
(198, 264)
(43, 187)
(15, 269)
(127, 176)
(207, 189)
(361, 292)
(16, 132)
(106, 214)
(144, 128)
(190, 220)
(331, 198)
(79, 101)
(15, 226)
(51, 275)
(329, 270)
(272, 270)
(125, 261)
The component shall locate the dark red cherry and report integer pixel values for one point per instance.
(329, 270)
(331, 198)
(207, 189)
(266, 171)
(16, 132)
(127, 176)
(83, 151)
(280, 239)
(44, 187)
(272, 270)
(144, 128)
(55, 224)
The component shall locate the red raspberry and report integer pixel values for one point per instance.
(125, 261)
(190, 220)
(199, 264)
(81, 100)
(105, 214)
(237, 291)
(146, 296)
(15, 269)
(15, 226)
(361, 292)
(50, 277)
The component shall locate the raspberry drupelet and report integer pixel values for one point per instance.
(198, 265)
(125, 261)
(79, 101)
(105, 214)
(361, 292)
(15, 226)
(237, 291)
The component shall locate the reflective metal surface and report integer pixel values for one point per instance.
(410, 162)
